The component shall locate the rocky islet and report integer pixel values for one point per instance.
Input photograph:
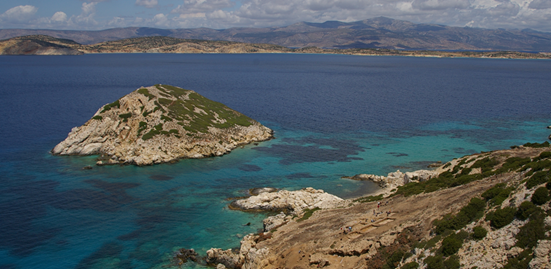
(160, 124)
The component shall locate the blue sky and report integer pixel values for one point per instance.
(221, 14)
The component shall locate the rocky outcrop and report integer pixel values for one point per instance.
(396, 179)
(293, 202)
(160, 124)
(248, 256)
(36, 45)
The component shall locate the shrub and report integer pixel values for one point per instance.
(525, 210)
(109, 106)
(501, 217)
(497, 194)
(521, 261)
(452, 262)
(537, 145)
(536, 179)
(308, 213)
(479, 232)
(434, 262)
(410, 265)
(486, 164)
(98, 117)
(532, 231)
(472, 211)
(540, 196)
(451, 244)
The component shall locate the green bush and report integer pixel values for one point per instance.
(308, 213)
(479, 232)
(532, 231)
(125, 115)
(109, 106)
(452, 262)
(537, 145)
(98, 117)
(435, 262)
(469, 213)
(486, 164)
(497, 194)
(525, 210)
(501, 217)
(451, 244)
(540, 196)
(521, 261)
(537, 178)
(410, 265)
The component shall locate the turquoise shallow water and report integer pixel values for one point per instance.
(332, 115)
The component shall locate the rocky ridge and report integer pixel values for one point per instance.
(160, 124)
(488, 210)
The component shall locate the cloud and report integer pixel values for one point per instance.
(202, 6)
(440, 4)
(540, 4)
(147, 3)
(19, 14)
(59, 17)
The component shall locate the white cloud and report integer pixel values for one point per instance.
(59, 16)
(202, 6)
(440, 4)
(19, 14)
(147, 3)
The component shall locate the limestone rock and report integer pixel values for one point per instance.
(274, 221)
(542, 257)
(291, 201)
(160, 124)
(396, 179)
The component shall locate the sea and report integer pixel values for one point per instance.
(333, 116)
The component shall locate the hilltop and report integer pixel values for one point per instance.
(488, 210)
(38, 45)
(159, 124)
(374, 33)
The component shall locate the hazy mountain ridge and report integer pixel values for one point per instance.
(378, 32)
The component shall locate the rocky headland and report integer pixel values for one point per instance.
(487, 210)
(159, 124)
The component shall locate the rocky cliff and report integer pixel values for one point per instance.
(160, 124)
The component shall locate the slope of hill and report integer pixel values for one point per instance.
(488, 210)
(378, 32)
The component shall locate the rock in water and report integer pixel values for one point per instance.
(160, 124)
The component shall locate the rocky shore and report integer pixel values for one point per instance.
(160, 124)
(493, 206)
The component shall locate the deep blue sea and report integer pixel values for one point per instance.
(333, 115)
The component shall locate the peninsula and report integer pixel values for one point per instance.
(487, 210)
(160, 124)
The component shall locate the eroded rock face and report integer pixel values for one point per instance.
(291, 201)
(396, 179)
(160, 124)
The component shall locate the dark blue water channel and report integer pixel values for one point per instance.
(333, 115)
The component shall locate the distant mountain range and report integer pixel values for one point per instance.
(380, 32)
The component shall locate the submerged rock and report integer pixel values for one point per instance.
(161, 124)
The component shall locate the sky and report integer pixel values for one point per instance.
(223, 14)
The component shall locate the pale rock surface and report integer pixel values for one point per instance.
(293, 201)
(492, 251)
(248, 257)
(542, 257)
(272, 222)
(396, 179)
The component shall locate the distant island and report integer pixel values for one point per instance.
(160, 124)
(47, 45)
(374, 33)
